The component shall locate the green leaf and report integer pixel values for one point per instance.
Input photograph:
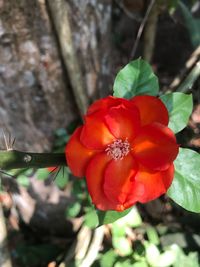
(124, 263)
(42, 174)
(90, 218)
(106, 217)
(136, 78)
(118, 230)
(73, 210)
(140, 264)
(179, 106)
(185, 188)
(131, 219)
(152, 235)
(152, 254)
(108, 259)
(192, 24)
(122, 244)
(62, 178)
(23, 180)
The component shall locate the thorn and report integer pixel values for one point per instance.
(5, 140)
(9, 143)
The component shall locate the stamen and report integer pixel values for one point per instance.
(118, 149)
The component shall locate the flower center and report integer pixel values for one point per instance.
(118, 149)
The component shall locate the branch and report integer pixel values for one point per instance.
(150, 33)
(191, 63)
(60, 18)
(141, 28)
(14, 159)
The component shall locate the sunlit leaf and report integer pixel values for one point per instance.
(122, 244)
(23, 180)
(90, 218)
(152, 235)
(62, 178)
(73, 210)
(179, 106)
(42, 174)
(136, 78)
(108, 259)
(185, 188)
(106, 217)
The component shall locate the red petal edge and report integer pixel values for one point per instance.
(77, 155)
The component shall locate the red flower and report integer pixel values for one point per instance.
(125, 150)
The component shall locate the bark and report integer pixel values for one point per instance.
(91, 24)
(35, 90)
(34, 94)
(150, 33)
(59, 12)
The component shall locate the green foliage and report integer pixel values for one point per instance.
(108, 259)
(136, 78)
(185, 188)
(122, 244)
(90, 218)
(152, 235)
(192, 24)
(191, 78)
(62, 177)
(73, 210)
(23, 177)
(157, 259)
(179, 106)
(172, 5)
(42, 174)
(106, 217)
(23, 180)
(172, 256)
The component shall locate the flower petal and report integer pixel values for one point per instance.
(123, 122)
(119, 179)
(95, 134)
(155, 147)
(95, 180)
(151, 109)
(77, 155)
(150, 185)
(106, 103)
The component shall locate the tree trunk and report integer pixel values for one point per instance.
(35, 89)
(91, 24)
(35, 98)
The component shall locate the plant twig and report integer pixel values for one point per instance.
(187, 84)
(150, 33)
(14, 159)
(94, 247)
(190, 63)
(59, 12)
(141, 28)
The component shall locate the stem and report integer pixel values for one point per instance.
(14, 159)
(60, 17)
(141, 28)
(150, 33)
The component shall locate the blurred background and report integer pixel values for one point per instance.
(57, 57)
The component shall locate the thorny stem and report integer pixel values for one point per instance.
(14, 159)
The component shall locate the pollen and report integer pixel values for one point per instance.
(118, 149)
